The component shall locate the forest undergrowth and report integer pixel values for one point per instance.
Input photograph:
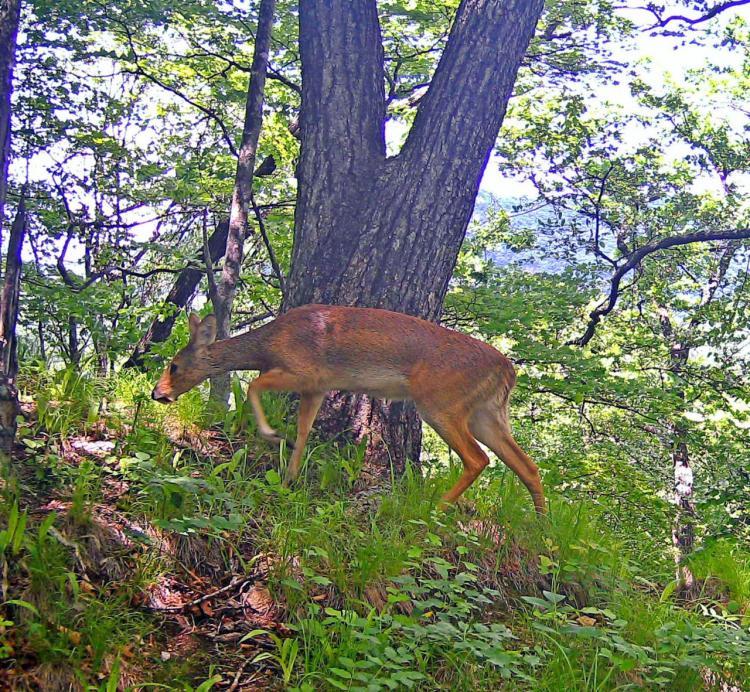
(144, 547)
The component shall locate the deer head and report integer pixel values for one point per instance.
(191, 365)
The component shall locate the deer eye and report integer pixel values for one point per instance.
(172, 369)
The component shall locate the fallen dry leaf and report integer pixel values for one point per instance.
(259, 599)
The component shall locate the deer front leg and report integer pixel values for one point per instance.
(273, 380)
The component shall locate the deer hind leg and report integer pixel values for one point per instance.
(309, 404)
(489, 424)
(273, 380)
(456, 434)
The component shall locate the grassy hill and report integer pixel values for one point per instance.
(141, 549)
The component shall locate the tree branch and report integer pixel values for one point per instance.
(140, 71)
(634, 261)
(269, 248)
(226, 289)
(276, 75)
(662, 22)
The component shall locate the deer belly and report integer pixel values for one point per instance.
(378, 384)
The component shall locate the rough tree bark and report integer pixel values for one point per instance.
(385, 232)
(8, 319)
(223, 297)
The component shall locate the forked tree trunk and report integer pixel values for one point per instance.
(223, 296)
(385, 232)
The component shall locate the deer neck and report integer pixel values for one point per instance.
(242, 352)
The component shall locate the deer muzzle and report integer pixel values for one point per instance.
(161, 397)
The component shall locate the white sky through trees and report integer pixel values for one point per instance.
(657, 59)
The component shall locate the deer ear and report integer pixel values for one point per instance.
(205, 332)
(194, 322)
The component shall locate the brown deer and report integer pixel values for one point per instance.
(460, 385)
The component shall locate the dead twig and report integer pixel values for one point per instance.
(238, 675)
(237, 583)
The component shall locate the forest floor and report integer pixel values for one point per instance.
(141, 550)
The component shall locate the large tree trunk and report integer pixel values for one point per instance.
(8, 320)
(223, 296)
(381, 232)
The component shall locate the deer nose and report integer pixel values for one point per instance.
(156, 395)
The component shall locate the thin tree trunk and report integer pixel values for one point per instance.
(680, 345)
(386, 233)
(223, 298)
(10, 12)
(42, 342)
(74, 350)
(102, 356)
(187, 283)
(683, 530)
(8, 320)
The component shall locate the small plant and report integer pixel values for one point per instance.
(68, 400)
(285, 655)
(12, 536)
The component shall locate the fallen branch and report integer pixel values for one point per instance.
(238, 583)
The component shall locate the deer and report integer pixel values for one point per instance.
(461, 386)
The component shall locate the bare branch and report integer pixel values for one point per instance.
(269, 248)
(662, 22)
(634, 261)
(252, 319)
(139, 70)
(276, 75)
(210, 275)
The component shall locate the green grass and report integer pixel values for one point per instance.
(376, 591)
